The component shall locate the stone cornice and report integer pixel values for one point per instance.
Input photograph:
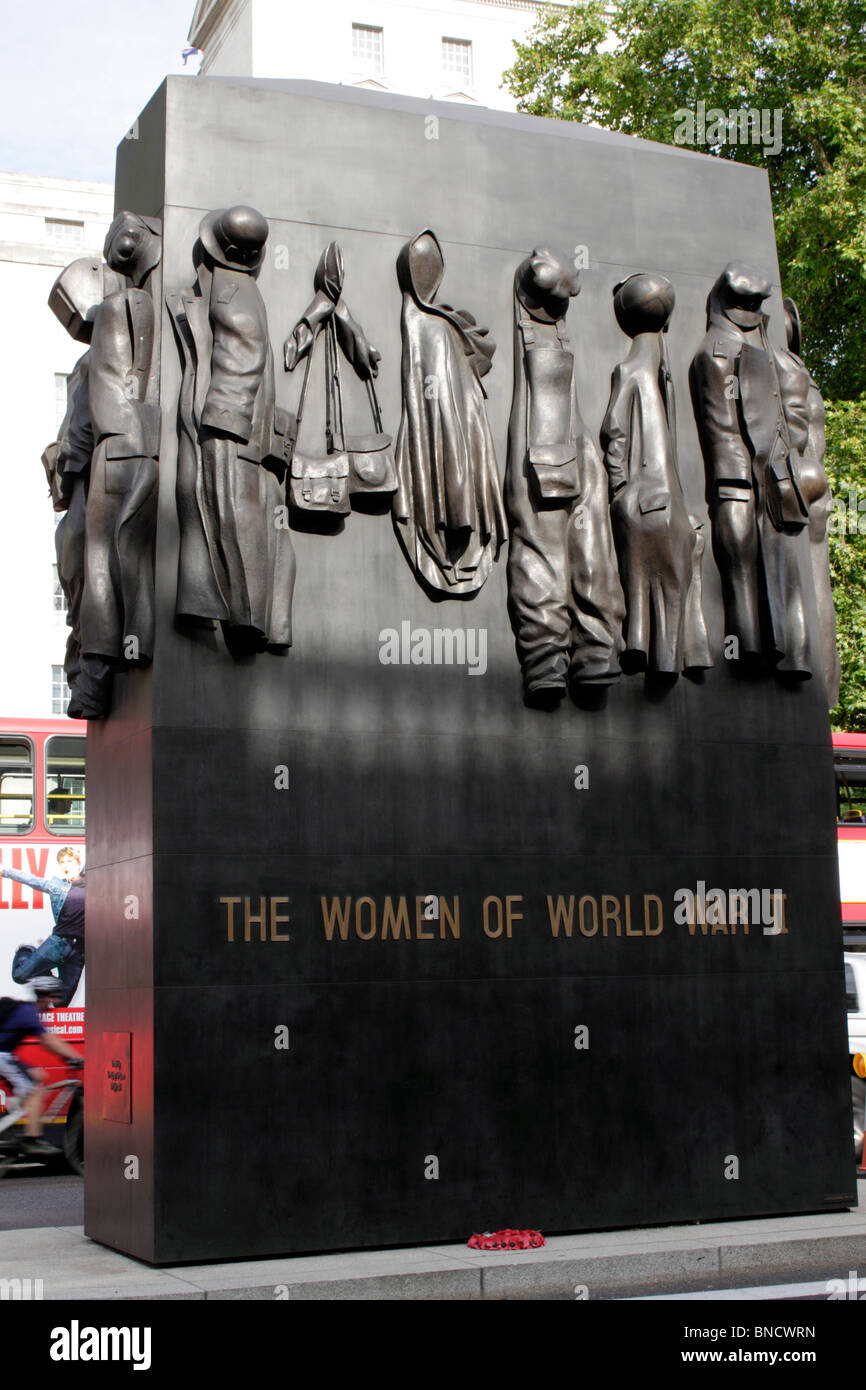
(210, 13)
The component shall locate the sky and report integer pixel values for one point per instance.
(74, 74)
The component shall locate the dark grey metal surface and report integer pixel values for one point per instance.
(331, 773)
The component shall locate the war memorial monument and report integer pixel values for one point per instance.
(460, 810)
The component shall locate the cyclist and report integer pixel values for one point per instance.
(19, 1019)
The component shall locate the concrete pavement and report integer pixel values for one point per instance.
(72, 1267)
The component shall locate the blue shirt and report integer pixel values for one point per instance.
(56, 888)
(21, 1022)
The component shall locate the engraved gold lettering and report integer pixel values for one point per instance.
(370, 931)
(230, 903)
(584, 930)
(277, 919)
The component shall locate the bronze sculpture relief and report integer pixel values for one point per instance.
(751, 405)
(819, 499)
(564, 594)
(659, 545)
(117, 612)
(448, 511)
(67, 463)
(236, 564)
(105, 462)
(355, 463)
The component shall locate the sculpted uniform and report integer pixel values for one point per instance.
(564, 595)
(76, 299)
(816, 491)
(118, 599)
(750, 403)
(236, 565)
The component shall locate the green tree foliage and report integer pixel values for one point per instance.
(637, 66)
(845, 463)
(632, 65)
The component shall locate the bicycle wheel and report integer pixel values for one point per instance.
(73, 1137)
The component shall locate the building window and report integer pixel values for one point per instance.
(59, 596)
(60, 380)
(457, 60)
(367, 48)
(60, 232)
(59, 690)
(64, 785)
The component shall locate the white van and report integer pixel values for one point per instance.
(855, 998)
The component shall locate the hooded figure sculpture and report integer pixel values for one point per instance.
(750, 403)
(564, 594)
(447, 510)
(659, 545)
(235, 566)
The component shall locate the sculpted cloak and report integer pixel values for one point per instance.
(659, 545)
(448, 511)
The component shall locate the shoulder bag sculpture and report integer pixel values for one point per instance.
(318, 484)
(371, 459)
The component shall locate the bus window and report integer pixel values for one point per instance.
(16, 787)
(64, 785)
(851, 1001)
(850, 786)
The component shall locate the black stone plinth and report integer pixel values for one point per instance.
(293, 1091)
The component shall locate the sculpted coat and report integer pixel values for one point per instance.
(236, 563)
(659, 545)
(750, 403)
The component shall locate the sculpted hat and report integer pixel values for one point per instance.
(643, 303)
(76, 295)
(545, 282)
(133, 244)
(235, 237)
(740, 290)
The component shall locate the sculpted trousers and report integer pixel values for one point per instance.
(564, 595)
(88, 676)
(735, 545)
(117, 603)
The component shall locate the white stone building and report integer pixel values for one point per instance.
(44, 224)
(444, 49)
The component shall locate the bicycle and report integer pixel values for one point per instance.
(13, 1150)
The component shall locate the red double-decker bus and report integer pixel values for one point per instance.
(42, 811)
(849, 759)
